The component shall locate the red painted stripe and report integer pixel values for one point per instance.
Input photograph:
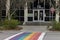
(29, 37)
(36, 36)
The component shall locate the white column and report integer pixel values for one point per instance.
(25, 13)
(8, 9)
(57, 12)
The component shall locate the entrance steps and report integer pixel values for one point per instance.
(38, 23)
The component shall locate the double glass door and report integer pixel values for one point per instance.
(38, 15)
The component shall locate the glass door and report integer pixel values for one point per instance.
(35, 15)
(41, 15)
(38, 15)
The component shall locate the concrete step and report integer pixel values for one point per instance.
(39, 23)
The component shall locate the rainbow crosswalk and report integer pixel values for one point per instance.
(27, 36)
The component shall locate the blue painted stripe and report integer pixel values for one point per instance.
(22, 38)
(18, 36)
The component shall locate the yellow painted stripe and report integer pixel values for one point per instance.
(28, 37)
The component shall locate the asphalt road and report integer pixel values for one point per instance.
(5, 34)
(49, 35)
(52, 36)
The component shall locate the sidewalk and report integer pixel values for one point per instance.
(35, 28)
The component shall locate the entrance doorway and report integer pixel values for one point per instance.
(38, 15)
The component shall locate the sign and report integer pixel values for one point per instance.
(52, 9)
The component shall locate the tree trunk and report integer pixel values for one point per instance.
(25, 13)
(57, 16)
(0, 10)
(8, 9)
(57, 12)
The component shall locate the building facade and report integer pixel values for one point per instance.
(36, 11)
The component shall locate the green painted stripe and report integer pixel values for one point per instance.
(22, 38)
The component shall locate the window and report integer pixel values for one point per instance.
(3, 12)
(47, 4)
(30, 11)
(21, 13)
(17, 12)
(21, 18)
(30, 18)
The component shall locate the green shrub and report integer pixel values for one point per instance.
(1, 23)
(10, 24)
(56, 26)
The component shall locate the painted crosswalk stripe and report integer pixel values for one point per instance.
(27, 36)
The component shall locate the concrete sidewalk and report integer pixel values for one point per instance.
(35, 28)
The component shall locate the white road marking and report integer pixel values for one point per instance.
(13, 36)
(42, 36)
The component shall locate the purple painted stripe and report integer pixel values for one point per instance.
(20, 35)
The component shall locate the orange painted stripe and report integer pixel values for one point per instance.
(36, 36)
(28, 37)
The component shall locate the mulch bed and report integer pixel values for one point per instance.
(17, 28)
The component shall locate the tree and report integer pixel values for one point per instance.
(8, 9)
(57, 11)
(0, 10)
